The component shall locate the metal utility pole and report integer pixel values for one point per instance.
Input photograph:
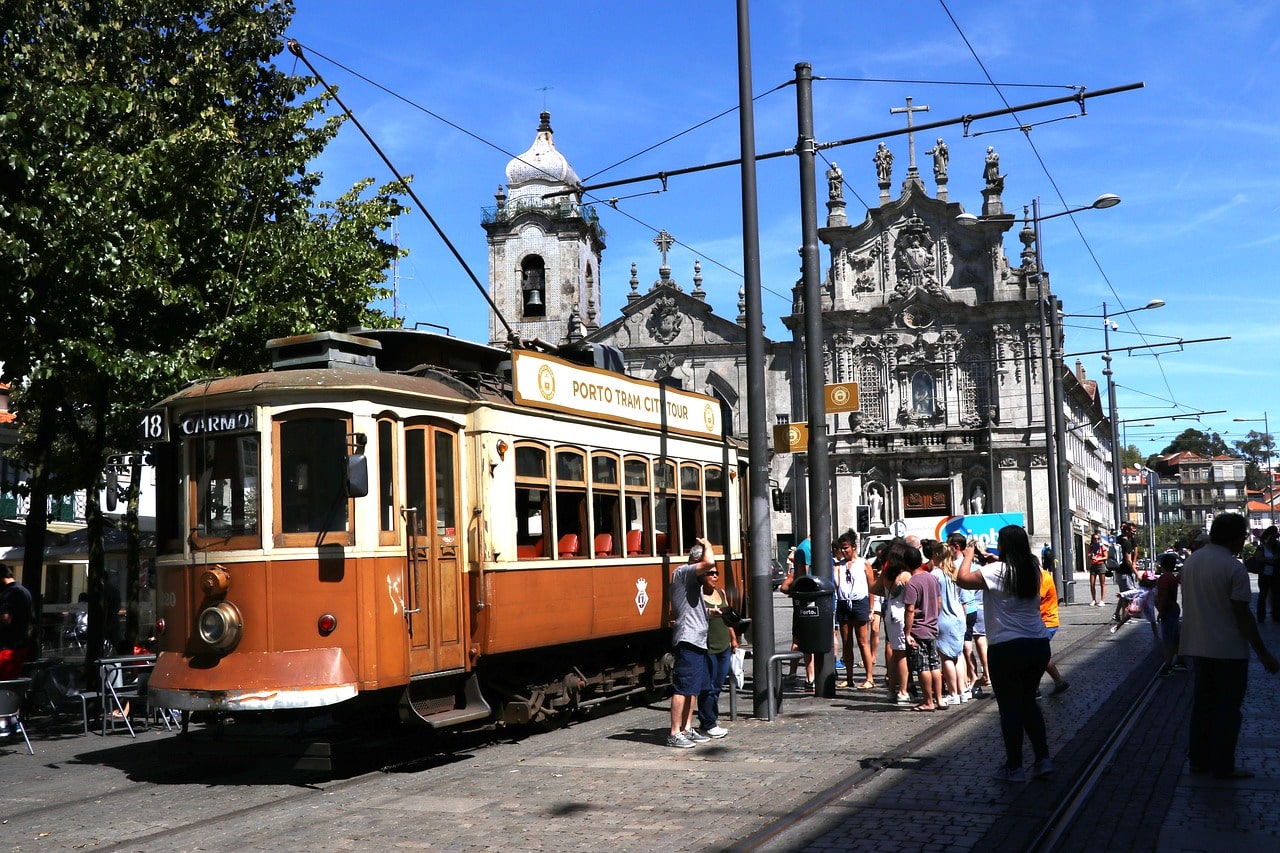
(819, 466)
(760, 536)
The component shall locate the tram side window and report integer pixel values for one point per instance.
(714, 495)
(638, 520)
(691, 504)
(387, 515)
(605, 506)
(666, 514)
(226, 472)
(533, 505)
(571, 504)
(312, 457)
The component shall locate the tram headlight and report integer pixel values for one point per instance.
(220, 625)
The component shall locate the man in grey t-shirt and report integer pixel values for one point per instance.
(690, 675)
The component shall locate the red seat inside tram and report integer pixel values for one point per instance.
(569, 545)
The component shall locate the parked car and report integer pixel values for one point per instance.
(778, 573)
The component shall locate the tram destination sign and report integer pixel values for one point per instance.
(212, 423)
(552, 383)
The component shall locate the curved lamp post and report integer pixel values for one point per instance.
(1054, 404)
(1267, 492)
(1117, 464)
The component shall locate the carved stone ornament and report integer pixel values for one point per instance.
(665, 320)
(913, 259)
(917, 316)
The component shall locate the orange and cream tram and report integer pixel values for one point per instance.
(401, 517)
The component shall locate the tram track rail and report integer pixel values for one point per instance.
(1049, 832)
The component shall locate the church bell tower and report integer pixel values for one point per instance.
(544, 248)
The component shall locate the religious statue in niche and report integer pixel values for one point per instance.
(665, 320)
(913, 259)
(978, 500)
(922, 394)
(875, 500)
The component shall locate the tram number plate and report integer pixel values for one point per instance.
(153, 425)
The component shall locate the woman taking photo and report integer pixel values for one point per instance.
(1017, 645)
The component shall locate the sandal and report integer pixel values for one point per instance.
(867, 685)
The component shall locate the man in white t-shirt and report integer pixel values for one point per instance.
(1217, 630)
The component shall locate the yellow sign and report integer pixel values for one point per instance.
(791, 438)
(842, 397)
(550, 383)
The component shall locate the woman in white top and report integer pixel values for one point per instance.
(853, 608)
(1018, 645)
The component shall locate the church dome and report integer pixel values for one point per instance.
(542, 162)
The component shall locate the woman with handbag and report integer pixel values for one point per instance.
(721, 643)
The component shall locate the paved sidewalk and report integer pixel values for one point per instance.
(609, 783)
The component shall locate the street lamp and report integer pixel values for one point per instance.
(1267, 491)
(1054, 393)
(1116, 453)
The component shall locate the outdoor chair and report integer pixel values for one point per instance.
(11, 696)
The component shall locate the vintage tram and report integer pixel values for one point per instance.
(399, 517)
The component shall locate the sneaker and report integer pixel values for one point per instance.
(1004, 774)
(966, 695)
(695, 736)
(713, 732)
(1041, 769)
(1059, 689)
(902, 699)
(1038, 693)
(1179, 667)
(679, 741)
(1165, 671)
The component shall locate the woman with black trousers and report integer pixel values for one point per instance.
(1017, 645)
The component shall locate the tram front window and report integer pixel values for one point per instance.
(312, 490)
(226, 470)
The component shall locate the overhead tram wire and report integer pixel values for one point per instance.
(296, 49)
(611, 202)
(1026, 130)
(1079, 98)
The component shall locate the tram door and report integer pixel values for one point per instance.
(437, 635)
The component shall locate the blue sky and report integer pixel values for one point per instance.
(1193, 155)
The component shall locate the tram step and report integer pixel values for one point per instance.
(439, 711)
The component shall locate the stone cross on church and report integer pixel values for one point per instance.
(912, 174)
(664, 242)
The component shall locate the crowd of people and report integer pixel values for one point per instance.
(954, 621)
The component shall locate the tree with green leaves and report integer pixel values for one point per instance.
(1206, 444)
(158, 221)
(1131, 457)
(1259, 448)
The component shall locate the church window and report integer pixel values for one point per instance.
(869, 396)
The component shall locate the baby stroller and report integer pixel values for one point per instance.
(1137, 603)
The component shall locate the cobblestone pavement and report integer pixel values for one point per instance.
(608, 783)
